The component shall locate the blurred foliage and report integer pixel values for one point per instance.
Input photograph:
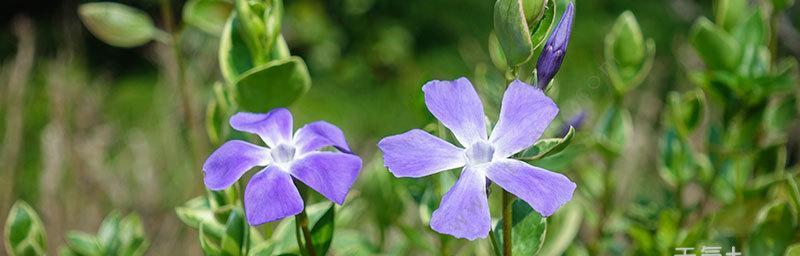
(693, 144)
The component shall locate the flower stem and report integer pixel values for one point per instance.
(302, 220)
(508, 199)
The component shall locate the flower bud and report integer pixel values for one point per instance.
(554, 49)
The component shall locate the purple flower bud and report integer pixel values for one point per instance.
(554, 49)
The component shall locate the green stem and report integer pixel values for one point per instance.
(302, 220)
(508, 199)
(194, 137)
(495, 246)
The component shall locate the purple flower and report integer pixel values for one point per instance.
(464, 210)
(575, 121)
(554, 49)
(271, 193)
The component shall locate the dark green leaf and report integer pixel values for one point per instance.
(277, 84)
(528, 229)
(235, 233)
(117, 24)
(24, 233)
(512, 31)
(322, 231)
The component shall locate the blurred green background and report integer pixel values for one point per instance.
(89, 127)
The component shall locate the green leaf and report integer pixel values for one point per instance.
(794, 191)
(548, 147)
(676, 164)
(322, 232)
(262, 249)
(272, 22)
(753, 31)
(196, 213)
(208, 244)
(533, 10)
(108, 233)
(629, 57)
(234, 55)
(528, 229)
(774, 230)
(628, 41)
(83, 243)
(117, 24)
(512, 31)
(793, 250)
(730, 13)
(277, 84)
(235, 233)
(716, 47)
(132, 236)
(613, 129)
(686, 111)
(24, 233)
(207, 15)
(564, 226)
(219, 109)
(540, 29)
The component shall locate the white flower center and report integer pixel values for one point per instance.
(480, 152)
(283, 154)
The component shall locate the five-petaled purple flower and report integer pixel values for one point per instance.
(271, 193)
(464, 210)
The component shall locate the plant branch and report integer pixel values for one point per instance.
(508, 199)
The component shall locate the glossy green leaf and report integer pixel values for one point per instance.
(322, 231)
(83, 243)
(548, 147)
(717, 48)
(512, 31)
(774, 230)
(528, 229)
(235, 233)
(207, 15)
(276, 84)
(540, 30)
(117, 24)
(24, 233)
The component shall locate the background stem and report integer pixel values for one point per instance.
(302, 219)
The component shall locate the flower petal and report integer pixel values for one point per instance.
(457, 105)
(227, 164)
(270, 196)
(525, 114)
(329, 173)
(273, 127)
(464, 210)
(319, 134)
(417, 153)
(543, 190)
